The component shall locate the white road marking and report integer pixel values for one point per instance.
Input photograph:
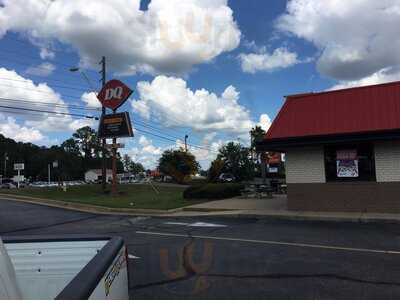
(271, 242)
(177, 223)
(196, 224)
(130, 256)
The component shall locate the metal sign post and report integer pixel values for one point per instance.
(113, 94)
(18, 168)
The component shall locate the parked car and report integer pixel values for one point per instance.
(8, 185)
(226, 177)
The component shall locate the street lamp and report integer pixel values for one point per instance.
(77, 69)
(103, 112)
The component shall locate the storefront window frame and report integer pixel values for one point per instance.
(361, 147)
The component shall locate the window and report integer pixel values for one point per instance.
(350, 162)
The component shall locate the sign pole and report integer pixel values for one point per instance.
(112, 95)
(103, 112)
(114, 164)
(19, 173)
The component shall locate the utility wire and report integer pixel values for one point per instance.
(71, 106)
(171, 140)
(50, 112)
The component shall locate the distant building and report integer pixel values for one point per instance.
(95, 175)
(342, 149)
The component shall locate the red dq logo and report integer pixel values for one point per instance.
(114, 94)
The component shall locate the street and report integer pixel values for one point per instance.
(232, 258)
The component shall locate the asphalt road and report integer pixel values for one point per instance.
(239, 258)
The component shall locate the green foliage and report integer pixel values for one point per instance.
(75, 156)
(178, 164)
(235, 159)
(215, 170)
(131, 166)
(257, 135)
(213, 191)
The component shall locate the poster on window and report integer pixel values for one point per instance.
(347, 168)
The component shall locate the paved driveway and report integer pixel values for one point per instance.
(231, 258)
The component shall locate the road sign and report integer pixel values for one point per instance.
(55, 164)
(113, 94)
(115, 125)
(20, 166)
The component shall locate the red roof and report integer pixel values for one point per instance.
(355, 110)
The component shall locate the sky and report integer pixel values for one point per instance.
(211, 69)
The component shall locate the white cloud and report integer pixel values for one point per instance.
(9, 128)
(280, 58)
(171, 102)
(169, 37)
(24, 93)
(91, 100)
(265, 122)
(44, 69)
(46, 53)
(356, 39)
(146, 153)
(382, 76)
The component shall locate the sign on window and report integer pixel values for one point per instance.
(346, 163)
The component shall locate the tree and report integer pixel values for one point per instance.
(178, 164)
(215, 169)
(88, 142)
(136, 168)
(71, 146)
(256, 135)
(235, 159)
(127, 161)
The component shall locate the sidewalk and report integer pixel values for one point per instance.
(276, 208)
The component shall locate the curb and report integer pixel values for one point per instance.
(362, 218)
(328, 219)
(94, 209)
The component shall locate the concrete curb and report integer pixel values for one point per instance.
(313, 218)
(86, 207)
(204, 212)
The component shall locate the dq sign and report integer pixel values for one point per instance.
(114, 94)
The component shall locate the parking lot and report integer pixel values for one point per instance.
(231, 258)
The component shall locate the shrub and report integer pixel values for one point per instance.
(213, 191)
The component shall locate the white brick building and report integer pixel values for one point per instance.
(342, 149)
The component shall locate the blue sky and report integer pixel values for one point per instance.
(209, 69)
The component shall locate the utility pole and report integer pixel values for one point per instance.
(103, 143)
(5, 165)
(186, 137)
(48, 173)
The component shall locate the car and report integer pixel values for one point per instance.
(8, 185)
(226, 177)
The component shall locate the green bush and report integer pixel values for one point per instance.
(213, 191)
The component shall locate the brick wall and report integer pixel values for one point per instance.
(387, 161)
(305, 165)
(379, 197)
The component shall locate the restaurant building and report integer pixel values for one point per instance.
(342, 149)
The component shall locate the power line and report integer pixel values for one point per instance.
(181, 132)
(39, 103)
(171, 140)
(27, 113)
(50, 112)
(55, 85)
(42, 92)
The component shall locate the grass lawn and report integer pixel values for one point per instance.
(141, 195)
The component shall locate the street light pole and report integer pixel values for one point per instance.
(103, 112)
(5, 165)
(186, 137)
